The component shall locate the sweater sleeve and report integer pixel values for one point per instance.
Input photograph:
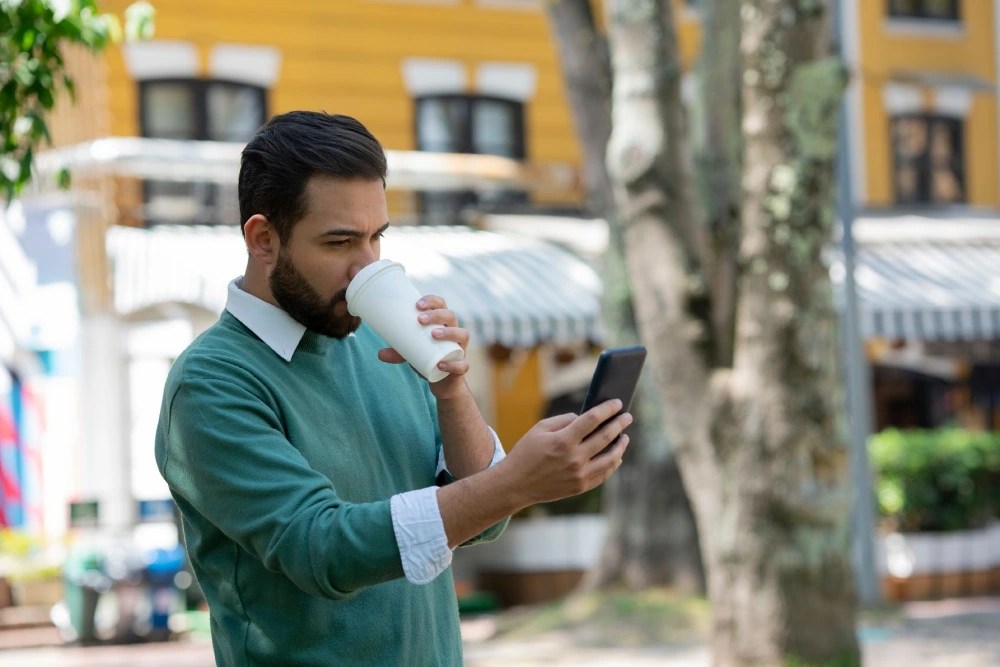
(444, 477)
(225, 453)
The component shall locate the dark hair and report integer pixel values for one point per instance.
(290, 149)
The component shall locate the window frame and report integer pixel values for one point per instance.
(210, 192)
(920, 14)
(200, 87)
(467, 197)
(519, 138)
(924, 162)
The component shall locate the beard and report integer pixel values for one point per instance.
(297, 297)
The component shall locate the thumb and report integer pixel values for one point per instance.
(390, 356)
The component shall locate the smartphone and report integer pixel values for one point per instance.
(616, 376)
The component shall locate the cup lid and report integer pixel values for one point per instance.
(366, 274)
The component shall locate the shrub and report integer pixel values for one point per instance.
(935, 480)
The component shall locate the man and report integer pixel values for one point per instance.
(323, 483)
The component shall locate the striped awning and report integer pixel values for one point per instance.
(508, 290)
(922, 278)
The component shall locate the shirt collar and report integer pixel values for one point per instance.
(271, 324)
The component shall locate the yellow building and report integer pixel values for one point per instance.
(458, 77)
(923, 102)
(925, 175)
(482, 76)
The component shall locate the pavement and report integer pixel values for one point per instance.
(946, 633)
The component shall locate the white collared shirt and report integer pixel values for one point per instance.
(416, 516)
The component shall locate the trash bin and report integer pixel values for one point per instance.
(162, 566)
(84, 583)
(126, 573)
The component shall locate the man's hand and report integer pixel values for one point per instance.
(561, 456)
(434, 310)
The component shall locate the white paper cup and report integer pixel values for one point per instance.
(383, 297)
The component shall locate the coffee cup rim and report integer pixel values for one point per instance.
(364, 277)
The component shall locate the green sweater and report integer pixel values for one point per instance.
(283, 473)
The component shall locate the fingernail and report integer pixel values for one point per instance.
(438, 333)
(422, 303)
(628, 418)
(618, 404)
(424, 317)
(443, 365)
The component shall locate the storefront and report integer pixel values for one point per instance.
(929, 295)
(21, 416)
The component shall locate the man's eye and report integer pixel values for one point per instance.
(338, 243)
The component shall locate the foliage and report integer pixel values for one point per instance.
(22, 557)
(17, 543)
(33, 71)
(929, 480)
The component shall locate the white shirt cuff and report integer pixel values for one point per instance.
(416, 521)
(420, 536)
(498, 454)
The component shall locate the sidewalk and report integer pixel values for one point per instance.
(961, 632)
(946, 633)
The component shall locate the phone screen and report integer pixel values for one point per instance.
(616, 376)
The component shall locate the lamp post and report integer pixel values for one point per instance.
(857, 374)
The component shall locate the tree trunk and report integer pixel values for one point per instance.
(760, 446)
(586, 73)
(651, 539)
(719, 152)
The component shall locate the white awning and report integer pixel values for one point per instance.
(923, 278)
(918, 277)
(508, 290)
(219, 162)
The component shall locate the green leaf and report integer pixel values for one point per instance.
(139, 21)
(24, 72)
(25, 164)
(28, 39)
(46, 98)
(63, 178)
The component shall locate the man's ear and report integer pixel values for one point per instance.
(262, 239)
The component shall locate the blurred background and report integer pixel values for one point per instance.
(122, 232)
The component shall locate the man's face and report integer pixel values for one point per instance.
(339, 235)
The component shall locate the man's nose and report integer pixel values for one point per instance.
(362, 262)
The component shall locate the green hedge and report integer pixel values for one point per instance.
(931, 480)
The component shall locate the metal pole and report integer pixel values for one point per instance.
(857, 374)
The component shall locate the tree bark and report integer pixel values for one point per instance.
(719, 155)
(586, 72)
(760, 447)
(651, 538)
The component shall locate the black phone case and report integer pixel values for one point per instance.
(616, 376)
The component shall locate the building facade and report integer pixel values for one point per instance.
(481, 77)
(925, 177)
(469, 77)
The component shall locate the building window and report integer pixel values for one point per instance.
(928, 159)
(941, 10)
(196, 109)
(474, 124)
